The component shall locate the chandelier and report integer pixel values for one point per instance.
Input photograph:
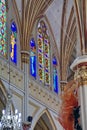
(10, 120)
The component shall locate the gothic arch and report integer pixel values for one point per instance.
(52, 52)
(45, 121)
(52, 38)
(4, 97)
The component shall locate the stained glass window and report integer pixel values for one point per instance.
(3, 43)
(13, 46)
(33, 58)
(55, 75)
(43, 53)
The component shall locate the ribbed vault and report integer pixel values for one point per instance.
(33, 10)
(30, 12)
(68, 39)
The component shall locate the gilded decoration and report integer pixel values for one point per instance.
(25, 57)
(81, 75)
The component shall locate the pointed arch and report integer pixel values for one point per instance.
(45, 48)
(45, 114)
(4, 97)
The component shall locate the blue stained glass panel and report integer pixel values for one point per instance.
(13, 27)
(14, 59)
(55, 75)
(33, 66)
(54, 61)
(32, 43)
(15, 53)
(13, 47)
(55, 82)
(33, 58)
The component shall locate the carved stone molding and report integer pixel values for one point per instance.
(79, 66)
(25, 56)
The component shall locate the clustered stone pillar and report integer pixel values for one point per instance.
(79, 66)
(25, 67)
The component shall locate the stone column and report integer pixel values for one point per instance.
(79, 66)
(25, 67)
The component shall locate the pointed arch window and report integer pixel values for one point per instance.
(41, 61)
(43, 53)
(33, 58)
(55, 75)
(13, 47)
(3, 43)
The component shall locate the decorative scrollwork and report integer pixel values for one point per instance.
(81, 75)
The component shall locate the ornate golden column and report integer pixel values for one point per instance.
(79, 66)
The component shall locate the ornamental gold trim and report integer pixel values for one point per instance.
(81, 75)
(25, 57)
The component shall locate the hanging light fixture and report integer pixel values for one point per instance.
(10, 120)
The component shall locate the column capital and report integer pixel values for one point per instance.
(79, 66)
(62, 84)
(25, 56)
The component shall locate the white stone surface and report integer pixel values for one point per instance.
(79, 60)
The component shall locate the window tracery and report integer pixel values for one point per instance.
(43, 67)
(3, 43)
